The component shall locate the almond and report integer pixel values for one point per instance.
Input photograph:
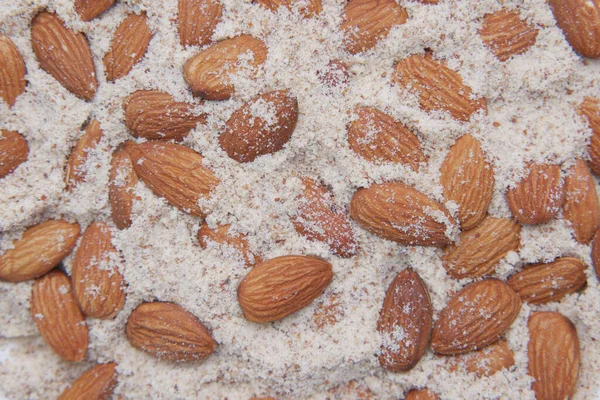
(97, 282)
(542, 283)
(329, 312)
(169, 332)
(97, 383)
(90, 9)
(221, 236)
(580, 22)
(553, 353)
(335, 74)
(308, 8)
(76, 171)
(365, 22)
(174, 172)
(438, 87)
(480, 249)
(421, 394)
(198, 20)
(401, 213)
(281, 286)
(57, 316)
(41, 248)
(12, 71)
(582, 209)
(263, 125)
(590, 109)
(475, 317)
(152, 114)
(538, 196)
(506, 34)
(122, 181)
(13, 151)
(468, 180)
(64, 54)
(377, 137)
(128, 46)
(320, 219)
(487, 361)
(207, 73)
(405, 322)
(596, 253)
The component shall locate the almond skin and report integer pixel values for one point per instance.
(13, 151)
(421, 394)
(543, 283)
(554, 356)
(76, 171)
(480, 249)
(198, 20)
(121, 186)
(538, 196)
(263, 125)
(169, 332)
(97, 383)
(90, 9)
(128, 46)
(402, 214)
(222, 236)
(487, 361)
(590, 109)
(281, 286)
(57, 316)
(581, 207)
(475, 317)
(309, 8)
(64, 54)
(468, 180)
(207, 73)
(41, 248)
(319, 219)
(174, 172)
(506, 34)
(596, 253)
(580, 22)
(378, 138)
(365, 22)
(438, 87)
(12, 71)
(335, 74)
(405, 322)
(152, 114)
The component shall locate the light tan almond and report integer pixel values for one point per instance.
(12, 71)
(308, 8)
(580, 22)
(197, 20)
(90, 9)
(582, 209)
(221, 236)
(596, 253)
(590, 109)
(97, 383)
(121, 186)
(487, 361)
(421, 394)
(506, 34)
(76, 171)
(13, 151)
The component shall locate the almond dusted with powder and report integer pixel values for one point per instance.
(90, 9)
(580, 22)
(197, 20)
(468, 180)
(582, 209)
(506, 34)
(308, 8)
(64, 54)
(121, 186)
(12, 71)
(13, 151)
(422, 394)
(281, 286)
(97, 383)
(57, 316)
(487, 361)
(221, 235)
(596, 253)
(76, 170)
(590, 109)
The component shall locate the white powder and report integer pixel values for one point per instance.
(530, 117)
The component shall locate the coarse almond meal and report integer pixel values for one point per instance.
(521, 92)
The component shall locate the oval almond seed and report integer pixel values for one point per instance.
(76, 172)
(122, 181)
(97, 383)
(12, 71)
(197, 20)
(14, 150)
(582, 208)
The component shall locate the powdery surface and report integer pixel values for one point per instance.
(530, 117)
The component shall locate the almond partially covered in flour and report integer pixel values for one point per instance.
(506, 34)
(97, 383)
(222, 236)
(76, 171)
(308, 8)
(12, 71)
(485, 362)
(590, 109)
(13, 151)
(582, 208)
(90, 9)
(197, 20)
(121, 185)
(422, 394)
(580, 22)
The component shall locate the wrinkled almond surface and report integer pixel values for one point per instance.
(487, 361)
(121, 186)
(12, 71)
(197, 21)
(129, 44)
(13, 151)
(307, 8)
(97, 383)
(582, 209)
(221, 235)
(580, 22)
(506, 34)
(90, 9)
(76, 170)
(590, 109)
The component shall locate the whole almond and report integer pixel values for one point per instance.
(90, 9)
(97, 383)
(401, 213)
(554, 356)
(468, 180)
(475, 317)
(377, 137)
(76, 171)
(506, 34)
(405, 322)
(538, 196)
(169, 332)
(207, 73)
(308, 8)
(12, 71)
(480, 249)
(13, 151)
(41, 248)
(438, 87)
(596, 253)
(263, 125)
(174, 172)
(365, 22)
(421, 394)
(221, 236)
(152, 114)
(57, 316)
(580, 22)
(487, 361)
(97, 283)
(197, 20)
(128, 47)
(590, 109)
(121, 186)
(581, 207)
(281, 286)
(64, 54)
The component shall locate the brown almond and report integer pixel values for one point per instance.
(41, 248)
(421, 394)
(222, 236)
(506, 34)
(13, 151)
(590, 109)
(405, 322)
(580, 22)
(57, 316)
(64, 54)
(197, 21)
(581, 207)
(475, 317)
(12, 71)
(596, 253)
(97, 383)
(281, 286)
(554, 356)
(468, 180)
(263, 125)
(90, 9)
(76, 171)
(487, 361)
(307, 8)
(121, 186)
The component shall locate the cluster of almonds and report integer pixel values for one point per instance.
(474, 320)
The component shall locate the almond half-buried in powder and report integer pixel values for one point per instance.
(580, 22)
(13, 151)
(222, 235)
(307, 8)
(121, 186)
(506, 34)
(97, 383)
(582, 208)
(76, 169)
(12, 71)
(485, 362)
(197, 20)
